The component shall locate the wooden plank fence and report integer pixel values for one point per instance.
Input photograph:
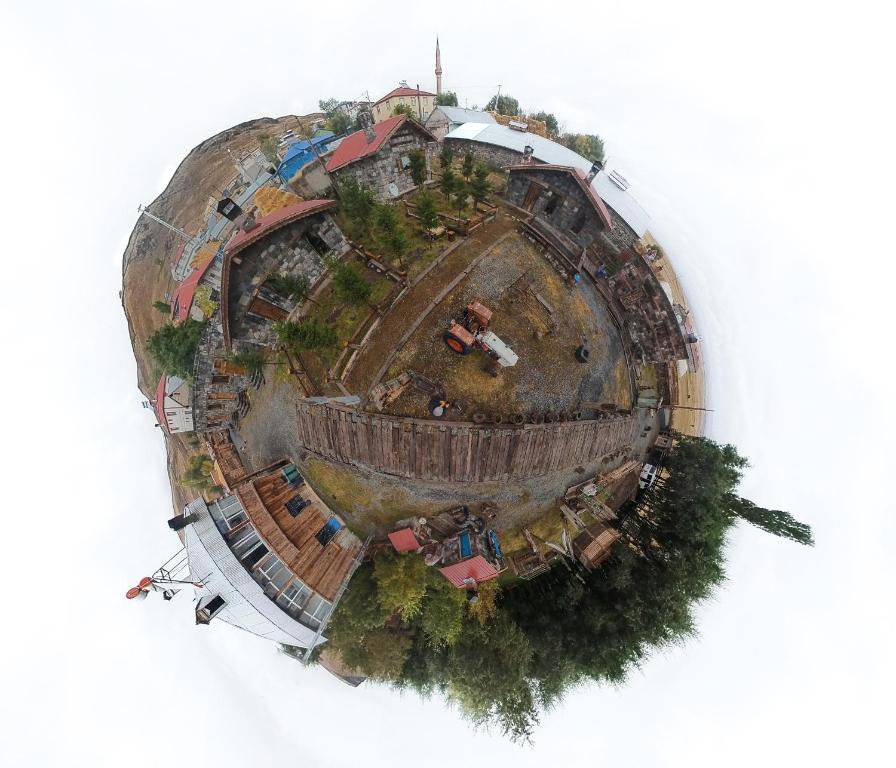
(449, 451)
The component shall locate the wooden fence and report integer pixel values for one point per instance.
(456, 451)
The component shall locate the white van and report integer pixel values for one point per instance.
(648, 476)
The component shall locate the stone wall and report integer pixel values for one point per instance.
(290, 251)
(391, 164)
(572, 209)
(489, 154)
(218, 389)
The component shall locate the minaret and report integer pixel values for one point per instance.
(438, 69)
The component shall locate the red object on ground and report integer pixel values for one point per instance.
(404, 540)
(477, 568)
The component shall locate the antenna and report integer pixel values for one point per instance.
(179, 232)
(169, 578)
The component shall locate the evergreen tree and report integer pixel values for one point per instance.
(426, 210)
(173, 347)
(479, 187)
(467, 168)
(418, 166)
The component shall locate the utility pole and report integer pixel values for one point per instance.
(419, 108)
(498, 98)
(179, 232)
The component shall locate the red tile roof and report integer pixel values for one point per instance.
(182, 299)
(160, 402)
(355, 145)
(581, 177)
(274, 220)
(402, 91)
(477, 568)
(404, 540)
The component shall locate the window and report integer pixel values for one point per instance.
(552, 204)
(578, 223)
(251, 558)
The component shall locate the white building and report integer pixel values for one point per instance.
(420, 102)
(173, 405)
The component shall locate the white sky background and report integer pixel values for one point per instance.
(760, 141)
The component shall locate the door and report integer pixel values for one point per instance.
(531, 195)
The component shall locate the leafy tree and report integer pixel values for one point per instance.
(418, 166)
(486, 673)
(467, 168)
(401, 583)
(198, 473)
(771, 520)
(486, 607)
(504, 105)
(426, 210)
(479, 187)
(446, 99)
(589, 146)
(338, 120)
(449, 181)
(203, 299)
(443, 610)
(162, 306)
(549, 121)
(404, 109)
(309, 334)
(268, 147)
(446, 157)
(173, 347)
(349, 284)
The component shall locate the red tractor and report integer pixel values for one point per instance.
(472, 332)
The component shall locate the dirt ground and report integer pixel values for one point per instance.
(547, 376)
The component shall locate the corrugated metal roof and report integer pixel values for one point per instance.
(246, 604)
(477, 568)
(404, 540)
(461, 115)
(551, 152)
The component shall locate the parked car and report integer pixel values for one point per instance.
(648, 476)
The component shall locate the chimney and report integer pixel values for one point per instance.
(527, 154)
(367, 122)
(596, 168)
(178, 522)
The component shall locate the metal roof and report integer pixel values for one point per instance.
(551, 152)
(461, 115)
(246, 604)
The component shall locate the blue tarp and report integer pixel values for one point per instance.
(300, 154)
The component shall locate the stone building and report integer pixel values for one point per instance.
(219, 387)
(562, 199)
(379, 156)
(500, 146)
(290, 241)
(420, 102)
(442, 120)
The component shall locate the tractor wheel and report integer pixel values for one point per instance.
(455, 344)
